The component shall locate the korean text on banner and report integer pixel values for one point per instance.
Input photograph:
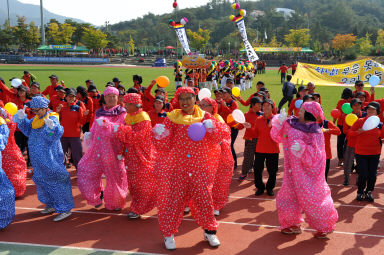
(252, 56)
(336, 75)
(180, 32)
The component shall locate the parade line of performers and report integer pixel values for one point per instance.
(146, 144)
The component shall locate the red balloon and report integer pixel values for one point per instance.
(335, 113)
(173, 23)
(174, 5)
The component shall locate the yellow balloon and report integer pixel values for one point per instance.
(162, 81)
(350, 119)
(235, 91)
(11, 108)
(232, 17)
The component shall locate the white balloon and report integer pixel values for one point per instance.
(238, 116)
(16, 83)
(204, 93)
(371, 123)
(182, 21)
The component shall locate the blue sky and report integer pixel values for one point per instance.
(97, 11)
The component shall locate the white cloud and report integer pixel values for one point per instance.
(97, 11)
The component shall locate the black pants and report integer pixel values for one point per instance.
(340, 143)
(327, 164)
(85, 127)
(283, 101)
(272, 162)
(293, 72)
(75, 144)
(234, 133)
(367, 171)
(282, 78)
(21, 141)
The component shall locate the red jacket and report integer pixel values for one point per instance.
(157, 118)
(55, 101)
(333, 130)
(367, 95)
(72, 118)
(283, 69)
(250, 117)
(228, 108)
(368, 142)
(6, 94)
(351, 140)
(88, 103)
(292, 108)
(248, 102)
(265, 143)
(340, 120)
(50, 90)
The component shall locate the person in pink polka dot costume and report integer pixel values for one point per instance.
(101, 157)
(304, 188)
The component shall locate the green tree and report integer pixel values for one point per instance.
(364, 45)
(199, 39)
(273, 42)
(380, 38)
(60, 33)
(94, 39)
(33, 39)
(298, 37)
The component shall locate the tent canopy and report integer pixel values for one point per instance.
(71, 48)
(280, 50)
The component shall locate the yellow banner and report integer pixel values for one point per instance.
(338, 75)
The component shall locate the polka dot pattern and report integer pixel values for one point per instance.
(304, 188)
(138, 153)
(186, 180)
(101, 158)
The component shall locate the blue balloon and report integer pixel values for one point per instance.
(374, 80)
(298, 103)
(197, 131)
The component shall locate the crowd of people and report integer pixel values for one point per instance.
(178, 154)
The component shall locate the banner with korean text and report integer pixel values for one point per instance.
(338, 75)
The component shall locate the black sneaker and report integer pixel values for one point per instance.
(270, 193)
(259, 192)
(242, 177)
(369, 197)
(360, 197)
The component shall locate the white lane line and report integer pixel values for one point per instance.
(329, 184)
(78, 248)
(222, 222)
(336, 204)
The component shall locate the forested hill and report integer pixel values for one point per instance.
(325, 18)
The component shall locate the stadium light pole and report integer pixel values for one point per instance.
(42, 23)
(9, 21)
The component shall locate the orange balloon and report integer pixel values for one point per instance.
(230, 118)
(162, 81)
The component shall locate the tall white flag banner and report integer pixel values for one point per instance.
(252, 56)
(180, 32)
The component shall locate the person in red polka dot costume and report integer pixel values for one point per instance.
(186, 169)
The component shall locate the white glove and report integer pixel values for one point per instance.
(282, 116)
(208, 124)
(21, 113)
(296, 146)
(119, 157)
(100, 122)
(49, 123)
(87, 135)
(115, 128)
(159, 129)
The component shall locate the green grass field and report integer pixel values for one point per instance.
(74, 76)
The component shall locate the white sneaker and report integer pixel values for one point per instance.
(250, 170)
(169, 242)
(62, 216)
(216, 212)
(133, 215)
(48, 210)
(212, 239)
(187, 209)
